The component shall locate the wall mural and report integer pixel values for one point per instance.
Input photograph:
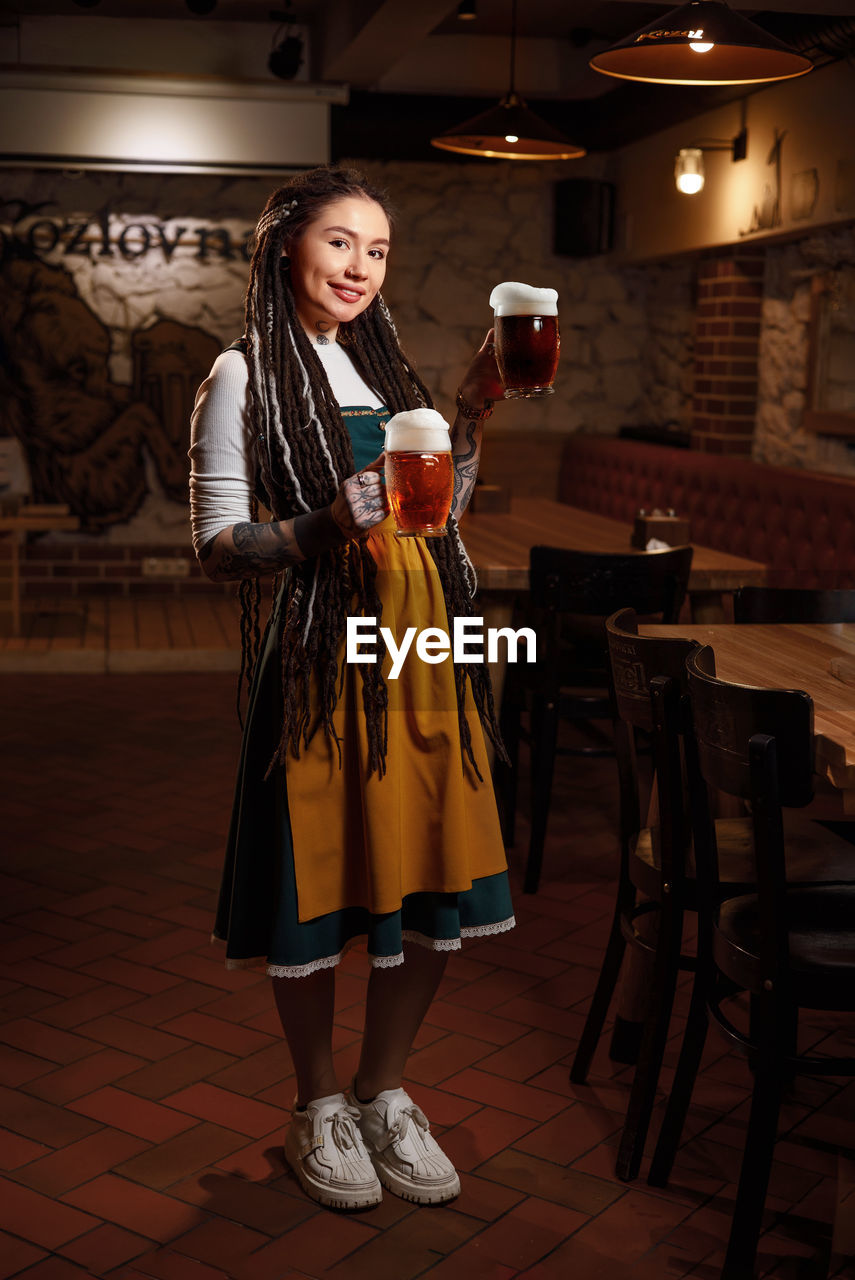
(87, 438)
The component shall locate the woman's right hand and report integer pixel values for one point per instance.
(361, 501)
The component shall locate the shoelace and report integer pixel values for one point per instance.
(401, 1123)
(344, 1131)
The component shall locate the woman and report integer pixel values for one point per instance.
(362, 809)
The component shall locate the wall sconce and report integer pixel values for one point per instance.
(689, 161)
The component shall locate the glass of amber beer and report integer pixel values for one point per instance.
(419, 472)
(527, 339)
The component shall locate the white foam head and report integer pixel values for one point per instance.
(418, 431)
(515, 299)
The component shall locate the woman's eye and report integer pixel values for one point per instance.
(336, 243)
(378, 254)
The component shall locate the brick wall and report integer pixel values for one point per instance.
(728, 317)
(52, 568)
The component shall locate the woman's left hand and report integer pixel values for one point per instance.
(482, 382)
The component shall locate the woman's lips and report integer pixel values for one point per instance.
(347, 294)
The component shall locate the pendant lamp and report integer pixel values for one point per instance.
(509, 131)
(701, 43)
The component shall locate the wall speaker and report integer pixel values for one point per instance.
(584, 217)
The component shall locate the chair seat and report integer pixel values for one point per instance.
(821, 920)
(814, 856)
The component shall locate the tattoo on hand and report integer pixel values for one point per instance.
(366, 502)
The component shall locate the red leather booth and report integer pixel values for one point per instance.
(800, 523)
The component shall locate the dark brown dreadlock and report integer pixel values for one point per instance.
(305, 455)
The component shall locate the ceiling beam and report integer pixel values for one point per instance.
(361, 42)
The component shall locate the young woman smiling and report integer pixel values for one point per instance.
(362, 810)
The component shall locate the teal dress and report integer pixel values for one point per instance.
(259, 914)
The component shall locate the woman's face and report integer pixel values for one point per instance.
(338, 264)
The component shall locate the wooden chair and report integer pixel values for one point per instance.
(783, 604)
(571, 593)
(652, 863)
(791, 946)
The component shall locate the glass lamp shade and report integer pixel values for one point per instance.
(689, 171)
(508, 131)
(701, 43)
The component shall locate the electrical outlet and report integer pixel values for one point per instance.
(165, 567)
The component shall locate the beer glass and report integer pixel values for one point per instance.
(527, 339)
(419, 472)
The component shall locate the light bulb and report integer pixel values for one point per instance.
(689, 171)
(511, 137)
(690, 183)
(700, 48)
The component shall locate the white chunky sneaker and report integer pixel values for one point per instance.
(406, 1156)
(324, 1147)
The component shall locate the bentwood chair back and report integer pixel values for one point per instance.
(797, 604)
(571, 593)
(790, 946)
(652, 862)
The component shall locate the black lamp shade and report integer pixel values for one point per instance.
(487, 133)
(662, 52)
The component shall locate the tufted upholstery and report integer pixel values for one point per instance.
(800, 523)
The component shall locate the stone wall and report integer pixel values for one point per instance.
(628, 332)
(665, 298)
(142, 251)
(463, 228)
(780, 436)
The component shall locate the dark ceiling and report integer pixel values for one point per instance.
(414, 68)
(387, 126)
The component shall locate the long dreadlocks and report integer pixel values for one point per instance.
(305, 455)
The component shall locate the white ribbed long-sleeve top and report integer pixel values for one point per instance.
(222, 457)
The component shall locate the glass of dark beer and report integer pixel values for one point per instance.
(527, 338)
(419, 473)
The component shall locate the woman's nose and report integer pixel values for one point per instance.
(355, 270)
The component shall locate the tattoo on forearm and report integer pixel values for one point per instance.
(251, 549)
(466, 461)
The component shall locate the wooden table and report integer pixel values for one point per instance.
(498, 545)
(30, 518)
(818, 659)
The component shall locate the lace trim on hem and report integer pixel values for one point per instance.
(303, 970)
(487, 930)
(377, 962)
(386, 962)
(432, 944)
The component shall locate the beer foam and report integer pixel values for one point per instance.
(417, 431)
(515, 299)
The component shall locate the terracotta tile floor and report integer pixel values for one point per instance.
(144, 1090)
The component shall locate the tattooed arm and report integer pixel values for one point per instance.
(481, 384)
(465, 454)
(249, 550)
